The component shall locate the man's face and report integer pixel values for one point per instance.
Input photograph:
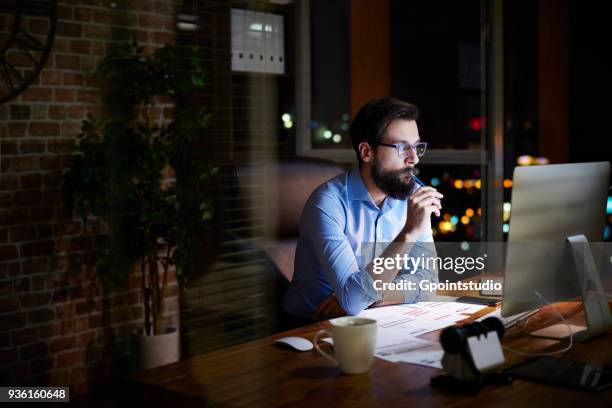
(393, 174)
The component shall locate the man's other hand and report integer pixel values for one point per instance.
(329, 308)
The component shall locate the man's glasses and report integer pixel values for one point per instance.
(403, 149)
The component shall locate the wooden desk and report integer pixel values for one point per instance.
(259, 373)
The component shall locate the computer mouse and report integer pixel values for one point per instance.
(295, 343)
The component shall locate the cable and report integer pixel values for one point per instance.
(550, 353)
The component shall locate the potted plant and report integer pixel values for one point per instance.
(143, 180)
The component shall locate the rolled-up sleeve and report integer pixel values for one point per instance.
(323, 224)
(425, 248)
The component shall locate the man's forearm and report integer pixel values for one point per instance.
(401, 245)
(390, 297)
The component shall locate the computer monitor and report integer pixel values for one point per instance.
(555, 211)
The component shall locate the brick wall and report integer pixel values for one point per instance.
(56, 325)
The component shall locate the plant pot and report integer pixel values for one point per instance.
(155, 350)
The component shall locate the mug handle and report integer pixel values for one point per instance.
(316, 344)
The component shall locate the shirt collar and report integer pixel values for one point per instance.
(356, 187)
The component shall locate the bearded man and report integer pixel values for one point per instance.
(376, 209)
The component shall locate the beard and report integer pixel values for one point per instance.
(396, 184)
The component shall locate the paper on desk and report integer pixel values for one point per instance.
(399, 326)
(418, 318)
(413, 351)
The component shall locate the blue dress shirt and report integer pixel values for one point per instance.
(341, 231)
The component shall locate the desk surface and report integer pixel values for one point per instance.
(259, 373)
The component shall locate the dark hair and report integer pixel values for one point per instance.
(372, 120)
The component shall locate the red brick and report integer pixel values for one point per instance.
(49, 331)
(8, 252)
(37, 248)
(82, 13)
(100, 16)
(49, 77)
(42, 365)
(22, 285)
(45, 230)
(57, 378)
(9, 269)
(34, 350)
(41, 214)
(57, 112)
(13, 217)
(63, 343)
(65, 311)
(54, 162)
(60, 146)
(31, 146)
(77, 112)
(80, 324)
(35, 266)
(40, 111)
(67, 61)
(12, 321)
(65, 95)
(71, 128)
(8, 147)
(64, 12)
(9, 304)
(42, 315)
(51, 197)
(68, 359)
(95, 321)
(80, 46)
(66, 327)
(77, 375)
(34, 93)
(98, 48)
(8, 182)
(67, 29)
(53, 179)
(97, 32)
(8, 356)
(20, 111)
(27, 198)
(87, 96)
(24, 336)
(5, 340)
(164, 7)
(44, 129)
(6, 287)
(34, 299)
(6, 201)
(151, 21)
(87, 339)
(72, 79)
(59, 45)
(24, 163)
(16, 129)
(20, 234)
(80, 243)
(38, 283)
(60, 295)
(163, 38)
(32, 180)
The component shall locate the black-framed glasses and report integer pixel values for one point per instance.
(403, 149)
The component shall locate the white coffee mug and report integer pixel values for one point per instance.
(354, 343)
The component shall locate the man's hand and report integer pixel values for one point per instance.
(421, 204)
(329, 308)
